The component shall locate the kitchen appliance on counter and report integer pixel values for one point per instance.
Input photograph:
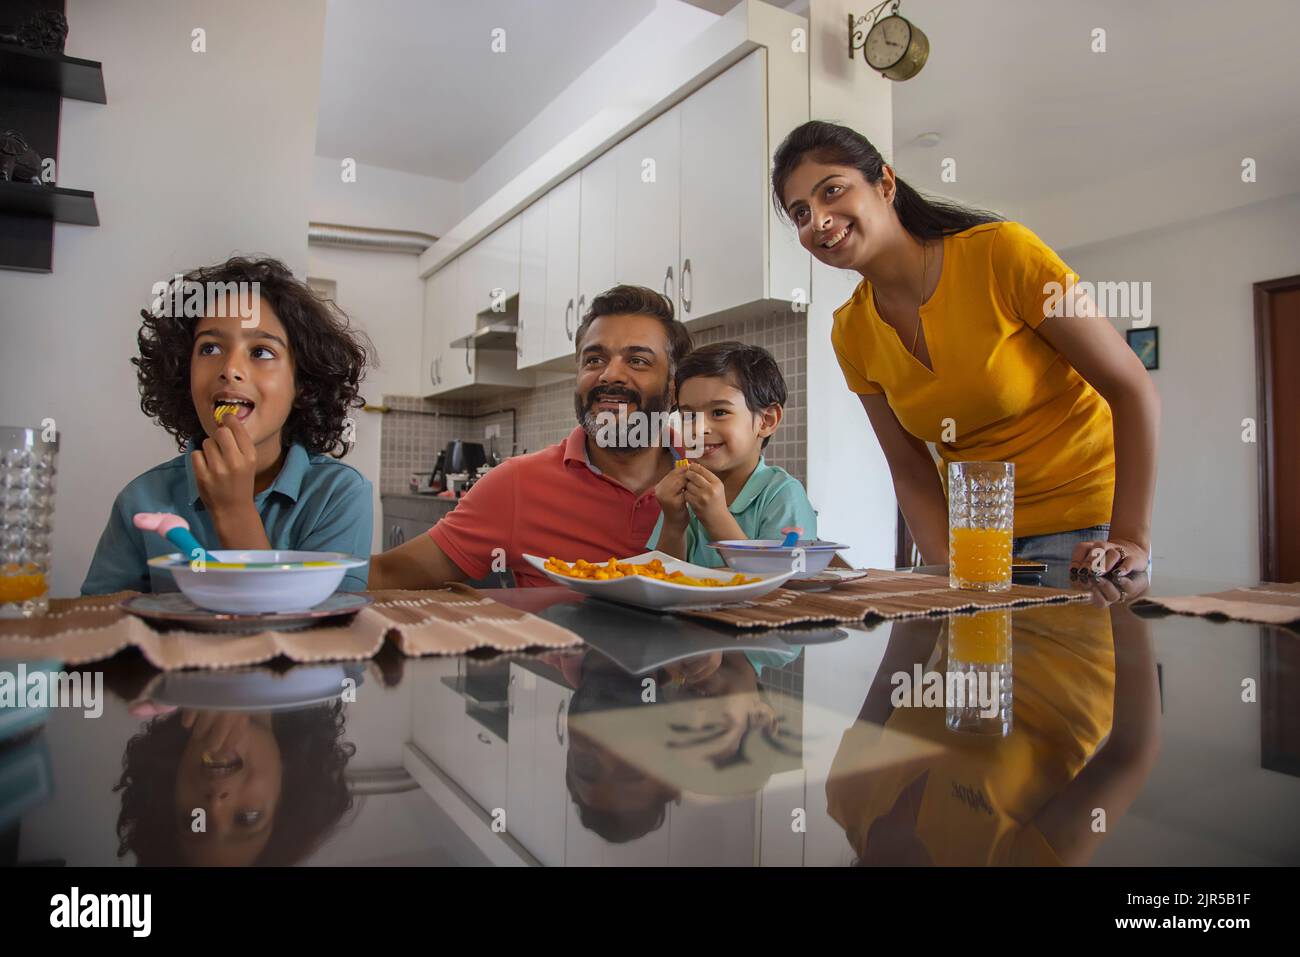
(457, 468)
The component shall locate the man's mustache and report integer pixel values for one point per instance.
(616, 395)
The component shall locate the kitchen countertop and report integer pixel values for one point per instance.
(1134, 739)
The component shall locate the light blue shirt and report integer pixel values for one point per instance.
(315, 504)
(771, 499)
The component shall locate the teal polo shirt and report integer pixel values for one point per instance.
(315, 504)
(771, 499)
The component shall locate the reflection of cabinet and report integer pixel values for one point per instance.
(465, 749)
(538, 798)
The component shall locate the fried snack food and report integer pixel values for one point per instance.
(654, 568)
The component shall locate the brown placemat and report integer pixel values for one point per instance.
(1272, 603)
(885, 594)
(446, 621)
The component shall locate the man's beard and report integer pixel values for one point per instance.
(593, 424)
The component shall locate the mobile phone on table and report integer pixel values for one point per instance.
(1027, 572)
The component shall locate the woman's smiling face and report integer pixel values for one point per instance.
(839, 215)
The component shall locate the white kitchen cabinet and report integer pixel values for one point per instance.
(530, 338)
(596, 232)
(724, 190)
(647, 237)
(441, 298)
(563, 205)
(499, 269)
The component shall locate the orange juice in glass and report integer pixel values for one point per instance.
(27, 464)
(981, 514)
(979, 693)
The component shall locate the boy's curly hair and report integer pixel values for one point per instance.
(329, 355)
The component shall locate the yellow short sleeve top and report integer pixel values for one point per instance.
(999, 391)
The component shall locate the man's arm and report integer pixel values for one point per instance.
(419, 563)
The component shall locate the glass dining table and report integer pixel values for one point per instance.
(1111, 734)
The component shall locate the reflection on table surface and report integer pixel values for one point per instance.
(1057, 734)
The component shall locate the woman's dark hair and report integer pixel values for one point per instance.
(750, 368)
(922, 216)
(638, 301)
(330, 357)
(314, 795)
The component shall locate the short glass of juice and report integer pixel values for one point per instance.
(27, 465)
(981, 518)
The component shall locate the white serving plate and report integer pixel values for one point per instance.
(292, 580)
(665, 596)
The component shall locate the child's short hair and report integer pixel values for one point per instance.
(751, 369)
(329, 356)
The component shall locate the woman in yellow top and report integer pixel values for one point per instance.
(958, 336)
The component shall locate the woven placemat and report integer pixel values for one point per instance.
(445, 621)
(1272, 603)
(884, 594)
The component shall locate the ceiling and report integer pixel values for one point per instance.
(1032, 116)
(414, 85)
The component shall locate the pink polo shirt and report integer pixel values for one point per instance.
(552, 502)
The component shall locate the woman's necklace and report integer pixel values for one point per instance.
(925, 271)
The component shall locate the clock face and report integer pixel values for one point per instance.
(887, 42)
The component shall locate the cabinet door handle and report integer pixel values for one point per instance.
(668, 278)
(484, 738)
(687, 274)
(437, 379)
(577, 316)
(559, 722)
(401, 534)
(568, 311)
(433, 376)
(467, 368)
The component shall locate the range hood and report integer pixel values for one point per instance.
(494, 330)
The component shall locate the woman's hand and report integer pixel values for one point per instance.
(225, 468)
(1114, 556)
(1118, 591)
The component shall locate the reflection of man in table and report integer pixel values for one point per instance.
(1082, 676)
(615, 799)
(579, 498)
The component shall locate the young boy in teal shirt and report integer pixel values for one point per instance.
(736, 395)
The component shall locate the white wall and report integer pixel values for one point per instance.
(1206, 518)
(848, 478)
(383, 198)
(196, 156)
(380, 291)
(381, 295)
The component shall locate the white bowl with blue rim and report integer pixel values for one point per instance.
(258, 581)
(770, 556)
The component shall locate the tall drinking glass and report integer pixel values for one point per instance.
(981, 517)
(27, 463)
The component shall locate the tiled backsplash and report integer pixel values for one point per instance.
(415, 428)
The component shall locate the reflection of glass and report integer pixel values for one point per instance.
(26, 520)
(981, 510)
(979, 673)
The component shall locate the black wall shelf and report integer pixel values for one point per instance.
(67, 76)
(76, 206)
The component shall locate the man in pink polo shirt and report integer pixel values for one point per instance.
(578, 498)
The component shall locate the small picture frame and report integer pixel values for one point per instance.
(1146, 343)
